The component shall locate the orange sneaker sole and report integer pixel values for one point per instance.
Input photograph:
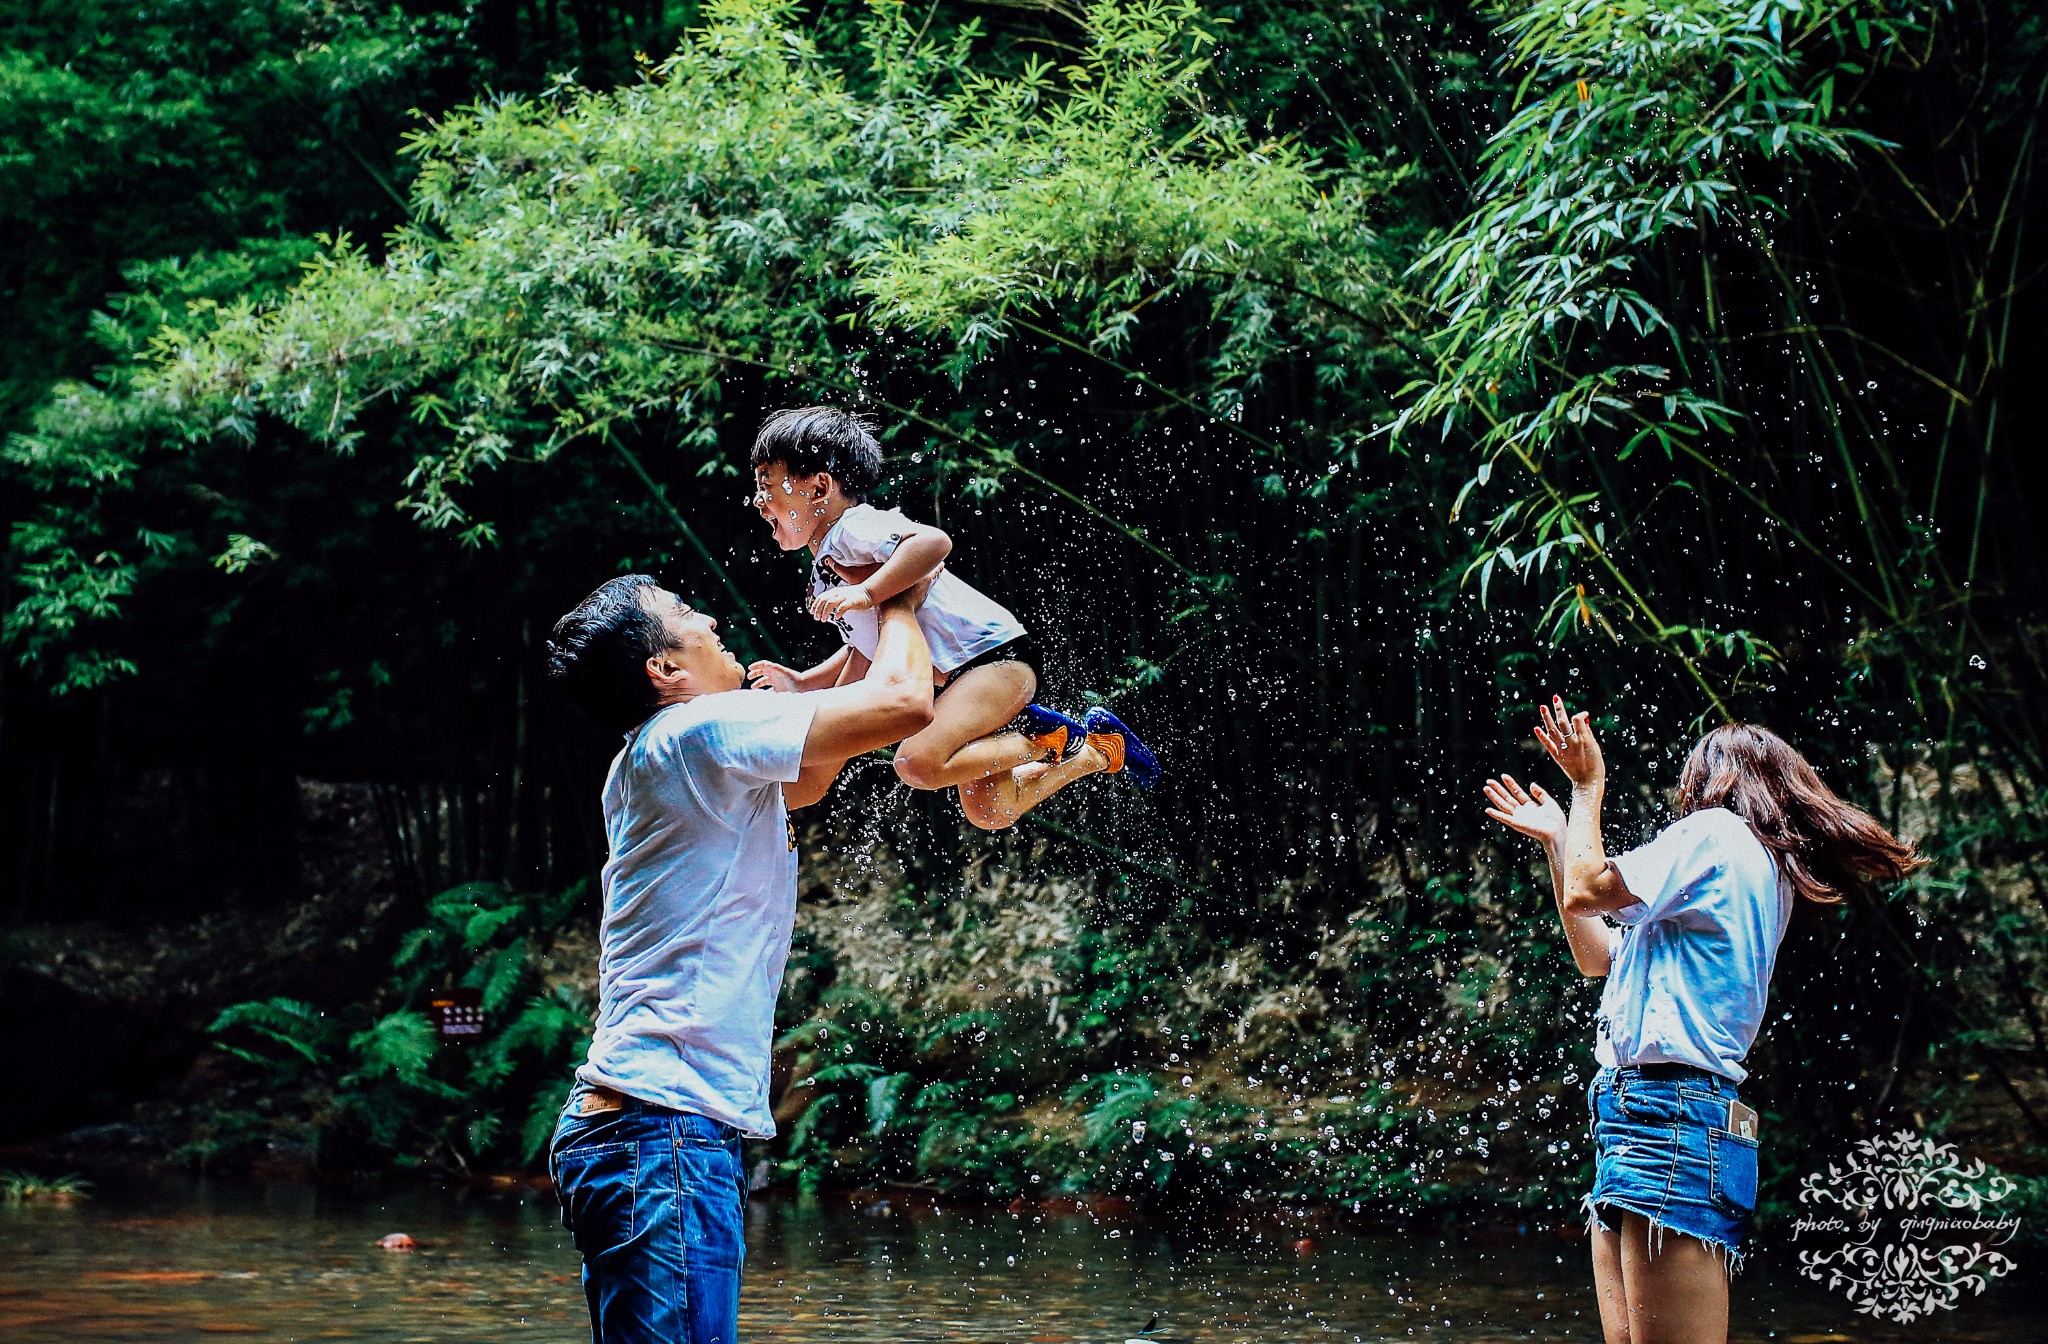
(1111, 745)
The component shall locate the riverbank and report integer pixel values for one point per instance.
(990, 1041)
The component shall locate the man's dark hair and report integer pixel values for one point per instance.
(598, 653)
(809, 439)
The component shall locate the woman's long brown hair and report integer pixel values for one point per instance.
(1826, 847)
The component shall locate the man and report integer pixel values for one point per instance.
(699, 903)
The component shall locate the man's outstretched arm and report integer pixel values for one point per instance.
(890, 703)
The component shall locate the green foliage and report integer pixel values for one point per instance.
(373, 1083)
(1102, 186)
(634, 266)
(287, 1037)
(990, 1048)
(23, 1187)
(1634, 122)
(588, 257)
(137, 134)
(91, 449)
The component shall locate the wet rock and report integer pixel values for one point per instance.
(117, 1135)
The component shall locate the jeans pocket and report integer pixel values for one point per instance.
(1732, 1160)
(1649, 1102)
(696, 1131)
(713, 1193)
(598, 1186)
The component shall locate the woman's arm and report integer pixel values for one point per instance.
(1590, 884)
(1536, 814)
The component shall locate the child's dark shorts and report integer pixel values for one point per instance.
(1662, 1148)
(1023, 649)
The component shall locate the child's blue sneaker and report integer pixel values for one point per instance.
(1049, 730)
(1133, 756)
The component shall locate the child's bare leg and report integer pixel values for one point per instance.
(1000, 775)
(995, 803)
(964, 741)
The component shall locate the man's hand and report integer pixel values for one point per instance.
(1531, 811)
(768, 676)
(835, 603)
(893, 701)
(1569, 740)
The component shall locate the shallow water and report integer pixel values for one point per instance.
(203, 1260)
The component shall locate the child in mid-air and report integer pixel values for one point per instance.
(813, 470)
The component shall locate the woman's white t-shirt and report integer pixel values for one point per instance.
(1692, 961)
(960, 622)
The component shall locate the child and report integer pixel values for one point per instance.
(813, 470)
(1702, 909)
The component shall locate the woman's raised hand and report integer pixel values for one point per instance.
(1531, 811)
(1569, 739)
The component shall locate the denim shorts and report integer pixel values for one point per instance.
(1662, 1148)
(656, 1201)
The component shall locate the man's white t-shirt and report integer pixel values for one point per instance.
(1692, 962)
(960, 621)
(699, 902)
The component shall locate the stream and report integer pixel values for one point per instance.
(191, 1260)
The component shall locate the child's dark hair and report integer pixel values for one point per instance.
(807, 440)
(1828, 848)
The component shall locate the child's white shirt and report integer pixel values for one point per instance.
(1692, 961)
(960, 622)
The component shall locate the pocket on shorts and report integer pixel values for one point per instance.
(1732, 1160)
(599, 1190)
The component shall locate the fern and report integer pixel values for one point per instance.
(402, 1043)
(502, 975)
(542, 1116)
(381, 1073)
(885, 1096)
(291, 1026)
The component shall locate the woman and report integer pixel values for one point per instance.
(1701, 909)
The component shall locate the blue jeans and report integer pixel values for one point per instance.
(1662, 1148)
(656, 1201)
